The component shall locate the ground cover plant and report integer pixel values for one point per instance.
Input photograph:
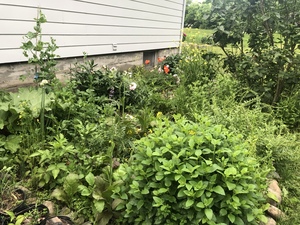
(183, 142)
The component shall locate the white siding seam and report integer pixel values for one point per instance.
(155, 4)
(95, 14)
(98, 14)
(93, 3)
(89, 24)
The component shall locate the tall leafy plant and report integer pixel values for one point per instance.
(40, 53)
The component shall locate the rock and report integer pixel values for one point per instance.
(273, 185)
(274, 212)
(54, 221)
(274, 197)
(274, 193)
(270, 221)
(50, 206)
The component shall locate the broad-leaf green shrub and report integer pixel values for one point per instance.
(197, 64)
(191, 173)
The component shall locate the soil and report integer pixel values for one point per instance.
(10, 200)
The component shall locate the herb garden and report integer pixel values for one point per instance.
(193, 140)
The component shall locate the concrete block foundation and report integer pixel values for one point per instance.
(10, 73)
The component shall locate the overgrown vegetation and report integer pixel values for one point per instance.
(188, 141)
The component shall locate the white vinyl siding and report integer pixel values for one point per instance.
(92, 26)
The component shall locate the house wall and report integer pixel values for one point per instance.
(112, 32)
(92, 26)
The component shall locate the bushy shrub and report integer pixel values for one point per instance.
(197, 64)
(191, 173)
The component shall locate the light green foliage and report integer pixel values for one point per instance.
(192, 173)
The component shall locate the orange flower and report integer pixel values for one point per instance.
(147, 61)
(166, 69)
(160, 59)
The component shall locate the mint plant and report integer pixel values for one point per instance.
(191, 173)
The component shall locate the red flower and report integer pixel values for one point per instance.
(166, 69)
(160, 59)
(147, 61)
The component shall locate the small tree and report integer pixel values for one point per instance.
(270, 66)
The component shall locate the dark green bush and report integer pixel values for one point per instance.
(191, 173)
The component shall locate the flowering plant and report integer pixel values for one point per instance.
(169, 64)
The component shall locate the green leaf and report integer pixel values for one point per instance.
(90, 178)
(239, 221)
(223, 212)
(200, 205)
(218, 189)
(59, 195)
(84, 190)
(198, 152)
(191, 143)
(230, 171)
(189, 203)
(230, 185)
(158, 201)
(145, 191)
(116, 203)
(273, 196)
(55, 172)
(13, 143)
(209, 213)
(99, 205)
(11, 214)
(140, 204)
(20, 219)
(181, 193)
(231, 218)
(250, 217)
(159, 175)
(105, 217)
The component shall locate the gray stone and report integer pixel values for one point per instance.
(54, 221)
(50, 206)
(273, 185)
(277, 196)
(274, 212)
(270, 221)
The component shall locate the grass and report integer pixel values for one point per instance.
(196, 36)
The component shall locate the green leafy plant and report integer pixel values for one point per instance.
(53, 162)
(39, 53)
(191, 172)
(89, 195)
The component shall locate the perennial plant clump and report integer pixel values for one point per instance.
(191, 173)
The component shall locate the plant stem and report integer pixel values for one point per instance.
(42, 116)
